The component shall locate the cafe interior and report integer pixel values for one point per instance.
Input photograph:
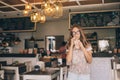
(32, 32)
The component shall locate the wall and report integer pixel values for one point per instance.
(60, 27)
(49, 28)
(105, 34)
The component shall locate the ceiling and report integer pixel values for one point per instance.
(10, 7)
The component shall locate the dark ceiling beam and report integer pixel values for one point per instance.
(9, 6)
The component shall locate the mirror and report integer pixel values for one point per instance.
(53, 43)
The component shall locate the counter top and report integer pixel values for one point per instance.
(105, 54)
(17, 55)
(44, 75)
(34, 55)
(48, 72)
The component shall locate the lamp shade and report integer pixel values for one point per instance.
(17, 40)
(28, 6)
(49, 9)
(32, 38)
(25, 12)
(58, 10)
(35, 16)
(42, 18)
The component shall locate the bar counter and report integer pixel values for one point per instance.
(105, 54)
(34, 55)
(17, 55)
(101, 63)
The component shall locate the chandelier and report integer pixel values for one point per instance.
(51, 8)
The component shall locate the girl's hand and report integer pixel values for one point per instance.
(77, 44)
(72, 41)
(80, 44)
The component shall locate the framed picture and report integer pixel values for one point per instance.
(20, 24)
(95, 19)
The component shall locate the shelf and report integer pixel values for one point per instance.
(17, 55)
(102, 19)
(91, 39)
(102, 27)
(105, 54)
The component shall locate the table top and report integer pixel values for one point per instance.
(39, 72)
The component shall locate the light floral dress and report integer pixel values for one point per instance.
(79, 64)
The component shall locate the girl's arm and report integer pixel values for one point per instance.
(87, 53)
(69, 54)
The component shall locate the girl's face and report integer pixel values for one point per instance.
(76, 33)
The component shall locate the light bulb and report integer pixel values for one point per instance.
(42, 18)
(28, 6)
(25, 12)
(35, 16)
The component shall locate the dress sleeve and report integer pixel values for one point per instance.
(89, 48)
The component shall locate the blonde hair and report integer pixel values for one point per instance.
(83, 38)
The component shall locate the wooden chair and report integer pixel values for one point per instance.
(28, 66)
(116, 68)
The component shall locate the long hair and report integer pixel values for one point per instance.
(82, 38)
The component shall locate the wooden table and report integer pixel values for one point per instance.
(63, 71)
(42, 75)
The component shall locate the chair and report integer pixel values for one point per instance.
(41, 64)
(63, 72)
(116, 68)
(28, 66)
(2, 74)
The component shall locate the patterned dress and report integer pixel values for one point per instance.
(79, 64)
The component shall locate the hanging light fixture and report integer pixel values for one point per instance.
(42, 18)
(28, 6)
(25, 12)
(32, 38)
(35, 16)
(58, 9)
(48, 9)
(51, 8)
(17, 40)
(27, 9)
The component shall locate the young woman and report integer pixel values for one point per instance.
(79, 55)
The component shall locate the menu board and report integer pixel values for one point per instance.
(16, 24)
(95, 18)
